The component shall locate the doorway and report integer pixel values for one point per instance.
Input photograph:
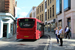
(5, 30)
(69, 22)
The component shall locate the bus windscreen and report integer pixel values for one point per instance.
(26, 23)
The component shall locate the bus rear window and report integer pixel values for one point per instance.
(26, 23)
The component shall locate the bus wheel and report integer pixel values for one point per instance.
(39, 36)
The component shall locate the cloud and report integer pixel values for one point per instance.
(18, 8)
(23, 7)
(23, 14)
(20, 12)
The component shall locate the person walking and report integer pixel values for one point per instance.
(67, 32)
(61, 39)
(56, 33)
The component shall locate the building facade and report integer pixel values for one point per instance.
(7, 6)
(66, 14)
(40, 12)
(55, 13)
(30, 15)
(33, 13)
(50, 15)
(7, 17)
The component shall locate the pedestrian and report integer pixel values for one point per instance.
(61, 39)
(56, 33)
(67, 32)
(70, 32)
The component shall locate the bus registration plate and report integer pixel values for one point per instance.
(26, 36)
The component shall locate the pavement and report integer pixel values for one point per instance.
(13, 38)
(68, 44)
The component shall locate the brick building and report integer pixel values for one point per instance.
(7, 17)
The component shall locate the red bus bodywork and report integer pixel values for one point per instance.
(29, 33)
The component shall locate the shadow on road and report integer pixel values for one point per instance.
(32, 40)
(22, 47)
(23, 40)
(44, 37)
(26, 40)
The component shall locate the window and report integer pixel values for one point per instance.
(7, 4)
(52, 26)
(42, 7)
(7, 7)
(48, 2)
(58, 6)
(67, 4)
(45, 4)
(40, 26)
(60, 23)
(38, 10)
(38, 17)
(42, 17)
(53, 10)
(6, 1)
(45, 15)
(37, 25)
(26, 23)
(50, 12)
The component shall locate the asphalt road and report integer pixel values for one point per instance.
(40, 44)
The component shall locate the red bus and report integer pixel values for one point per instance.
(29, 28)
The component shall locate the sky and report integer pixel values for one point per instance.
(24, 6)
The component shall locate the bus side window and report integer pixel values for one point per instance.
(37, 26)
(40, 27)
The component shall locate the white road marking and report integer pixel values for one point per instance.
(47, 44)
(50, 46)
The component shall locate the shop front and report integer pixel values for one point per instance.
(6, 25)
(53, 26)
(69, 22)
(60, 23)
